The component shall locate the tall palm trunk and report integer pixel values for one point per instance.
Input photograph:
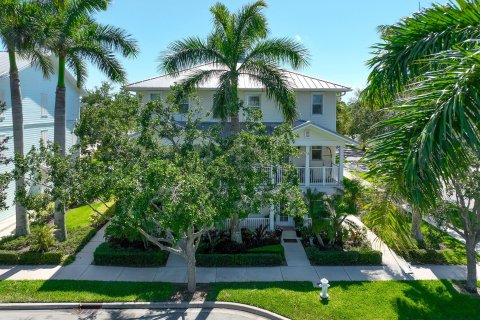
(417, 225)
(59, 140)
(235, 230)
(22, 226)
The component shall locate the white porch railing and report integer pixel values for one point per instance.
(326, 176)
(250, 223)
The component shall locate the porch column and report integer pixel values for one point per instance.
(307, 165)
(340, 164)
(272, 217)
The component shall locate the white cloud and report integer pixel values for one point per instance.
(299, 39)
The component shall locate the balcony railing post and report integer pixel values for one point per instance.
(307, 165)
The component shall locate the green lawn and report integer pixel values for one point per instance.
(15, 250)
(296, 300)
(354, 300)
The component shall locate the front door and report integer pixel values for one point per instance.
(283, 220)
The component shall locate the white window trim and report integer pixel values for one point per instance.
(44, 133)
(259, 99)
(311, 104)
(43, 107)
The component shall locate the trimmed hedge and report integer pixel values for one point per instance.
(106, 255)
(240, 259)
(331, 258)
(426, 256)
(30, 257)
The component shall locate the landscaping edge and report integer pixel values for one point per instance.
(145, 305)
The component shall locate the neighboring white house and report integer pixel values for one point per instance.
(320, 165)
(38, 97)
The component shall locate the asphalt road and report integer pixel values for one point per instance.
(124, 314)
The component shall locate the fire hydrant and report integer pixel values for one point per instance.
(324, 285)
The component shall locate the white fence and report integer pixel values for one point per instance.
(318, 175)
(250, 223)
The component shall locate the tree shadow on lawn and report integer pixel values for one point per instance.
(436, 300)
(354, 299)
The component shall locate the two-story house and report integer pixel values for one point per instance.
(320, 165)
(38, 97)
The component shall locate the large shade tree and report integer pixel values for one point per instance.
(238, 46)
(20, 33)
(427, 67)
(75, 38)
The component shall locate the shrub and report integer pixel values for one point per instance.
(109, 255)
(426, 256)
(43, 238)
(363, 257)
(231, 260)
(29, 257)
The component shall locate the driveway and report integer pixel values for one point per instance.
(124, 314)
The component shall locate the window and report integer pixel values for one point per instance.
(44, 136)
(316, 153)
(183, 105)
(44, 105)
(154, 96)
(254, 101)
(317, 104)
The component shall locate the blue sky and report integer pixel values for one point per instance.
(338, 33)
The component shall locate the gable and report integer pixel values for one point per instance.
(310, 134)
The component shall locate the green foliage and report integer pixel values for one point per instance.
(31, 257)
(241, 259)
(337, 257)
(238, 45)
(43, 238)
(108, 255)
(40, 208)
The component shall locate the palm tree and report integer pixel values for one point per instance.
(238, 46)
(76, 38)
(427, 68)
(19, 33)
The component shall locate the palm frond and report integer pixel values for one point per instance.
(184, 54)
(116, 39)
(280, 51)
(79, 67)
(76, 10)
(276, 85)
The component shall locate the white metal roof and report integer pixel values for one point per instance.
(296, 80)
(328, 131)
(23, 64)
(5, 65)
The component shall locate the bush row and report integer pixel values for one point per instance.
(30, 257)
(106, 255)
(427, 256)
(329, 258)
(240, 259)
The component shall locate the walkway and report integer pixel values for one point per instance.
(297, 269)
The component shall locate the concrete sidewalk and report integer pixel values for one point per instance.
(298, 269)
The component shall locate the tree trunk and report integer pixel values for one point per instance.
(60, 120)
(235, 230)
(21, 224)
(191, 261)
(59, 220)
(235, 123)
(471, 265)
(417, 225)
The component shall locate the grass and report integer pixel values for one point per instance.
(83, 291)
(79, 232)
(354, 300)
(296, 300)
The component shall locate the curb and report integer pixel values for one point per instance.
(144, 305)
